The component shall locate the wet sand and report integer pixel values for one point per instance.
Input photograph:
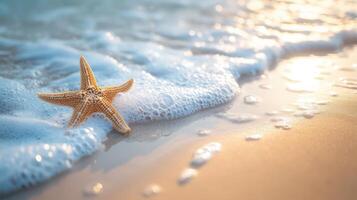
(313, 160)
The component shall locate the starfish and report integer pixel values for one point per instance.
(90, 99)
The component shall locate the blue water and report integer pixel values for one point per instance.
(185, 56)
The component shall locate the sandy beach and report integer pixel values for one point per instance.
(312, 160)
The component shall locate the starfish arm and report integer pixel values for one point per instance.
(117, 120)
(110, 92)
(87, 76)
(71, 98)
(80, 113)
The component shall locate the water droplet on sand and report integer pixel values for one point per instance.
(308, 114)
(93, 189)
(333, 94)
(204, 132)
(282, 123)
(251, 100)
(305, 106)
(238, 118)
(300, 88)
(186, 176)
(272, 113)
(204, 154)
(287, 110)
(278, 118)
(322, 102)
(264, 76)
(265, 86)
(152, 190)
(253, 137)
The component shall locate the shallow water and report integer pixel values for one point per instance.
(184, 57)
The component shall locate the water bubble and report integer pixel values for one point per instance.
(238, 118)
(272, 113)
(67, 148)
(204, 132)
(251, 100)
(204, 154)
(46, 147)
(38, 158)
(287, 110)
(282, 123)
(322, 102)
(301, 87)
(186, 176)
(278, 118)
(253, 137)
(152, 190)
(218, 8)
(265, 86)
(308, 114)
(333, 94)
(305, 106)
(93, 189)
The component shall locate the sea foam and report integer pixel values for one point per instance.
(185, 56)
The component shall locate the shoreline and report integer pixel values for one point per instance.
(157, 153)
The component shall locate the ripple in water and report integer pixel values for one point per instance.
(351, 68)
(349, 83)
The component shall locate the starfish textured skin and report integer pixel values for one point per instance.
(90, 99)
